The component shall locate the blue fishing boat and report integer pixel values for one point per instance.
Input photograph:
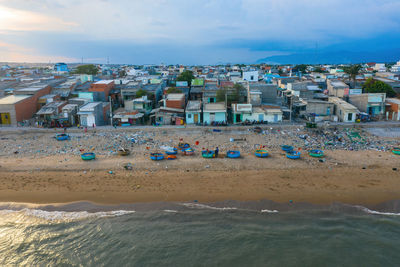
(396, 150)
(88, 156)
(156, 156)
(287, 148)
(208, 154)
(293, 154)
(233, 154)
(62, 137)
(261, 153)
(316, 153)
(188, 151)
(172, 151)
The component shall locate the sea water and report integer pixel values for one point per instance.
(198, 234)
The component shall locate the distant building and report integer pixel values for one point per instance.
(392, 109)
(93, 114)
(338, 88)
(61, 68)
(104, 87)
(250, 76)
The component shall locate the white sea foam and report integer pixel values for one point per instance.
(269, 211)
(203, 206)
(377, 212)
(65, 215)
(171, 211)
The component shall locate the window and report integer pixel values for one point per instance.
(350, 116)
(189, 116)
(251, 77)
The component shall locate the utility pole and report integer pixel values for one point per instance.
(111, 115)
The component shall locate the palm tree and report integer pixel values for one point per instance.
(353, 71)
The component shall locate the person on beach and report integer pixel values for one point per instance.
(216, 152)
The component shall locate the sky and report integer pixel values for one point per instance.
(194, 31)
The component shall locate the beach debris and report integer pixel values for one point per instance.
(110, 172)
(128, 166)
(394, 169)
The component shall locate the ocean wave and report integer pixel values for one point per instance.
(366, 210)
(203, 206)
(269, 211)
(171, 211)
(65, 215)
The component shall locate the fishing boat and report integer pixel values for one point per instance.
(171, 151)
(316, 153)
(156, 156)
(62, 137)
(396, 150)
(183, 146)
(123, 152)
(233, 154)
(293, 154)
(171, 157)
(208, 154)
(88, 156)
(188, 151)
(287, 148)
(261, 153)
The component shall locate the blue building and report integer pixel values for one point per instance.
(61, 67)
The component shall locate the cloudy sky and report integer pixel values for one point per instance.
(192, 31)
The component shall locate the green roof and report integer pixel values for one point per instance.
(197, 82)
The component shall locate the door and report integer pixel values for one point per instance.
(238, 118)
(212, 117)
(196, 118)
(261, 117)
(275, 117)
(84, 121)
(5, 118)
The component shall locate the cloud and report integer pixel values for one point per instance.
(194, 29)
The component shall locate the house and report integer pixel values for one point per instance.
(303, 90)
(345, 111)
(104, 87)
(167, 116)
(69, 113)
(127, 118)
(269, 92)
(250, 76)
(175, 101)
(392, 109)
(15, 109)
(337, 88)
(371, 103)
(50, 114)
(246, 112)
(141, 104)
(214, 112)
(61, 68)
(91, 114)
(193, 112)
(318, 110)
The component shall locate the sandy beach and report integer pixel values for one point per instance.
(35, 168)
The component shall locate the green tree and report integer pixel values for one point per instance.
(302, 68)
(122, 73)
(318, 69)
(142, 92)
(187, 76)
(352, 71)
(89, 69)
(173, 90)
(376, 86)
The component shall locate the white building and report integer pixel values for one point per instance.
(250, 76)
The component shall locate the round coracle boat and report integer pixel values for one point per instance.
(261, 153)
(62, 137)
(287, 148)
(293, 155)
(316, 153)
(88, 156)
(156, 156)
(233, 154)
(208, 154)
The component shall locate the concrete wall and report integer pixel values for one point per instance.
(320, 108)
(10, 109)
(191, 119)
(219, 117)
